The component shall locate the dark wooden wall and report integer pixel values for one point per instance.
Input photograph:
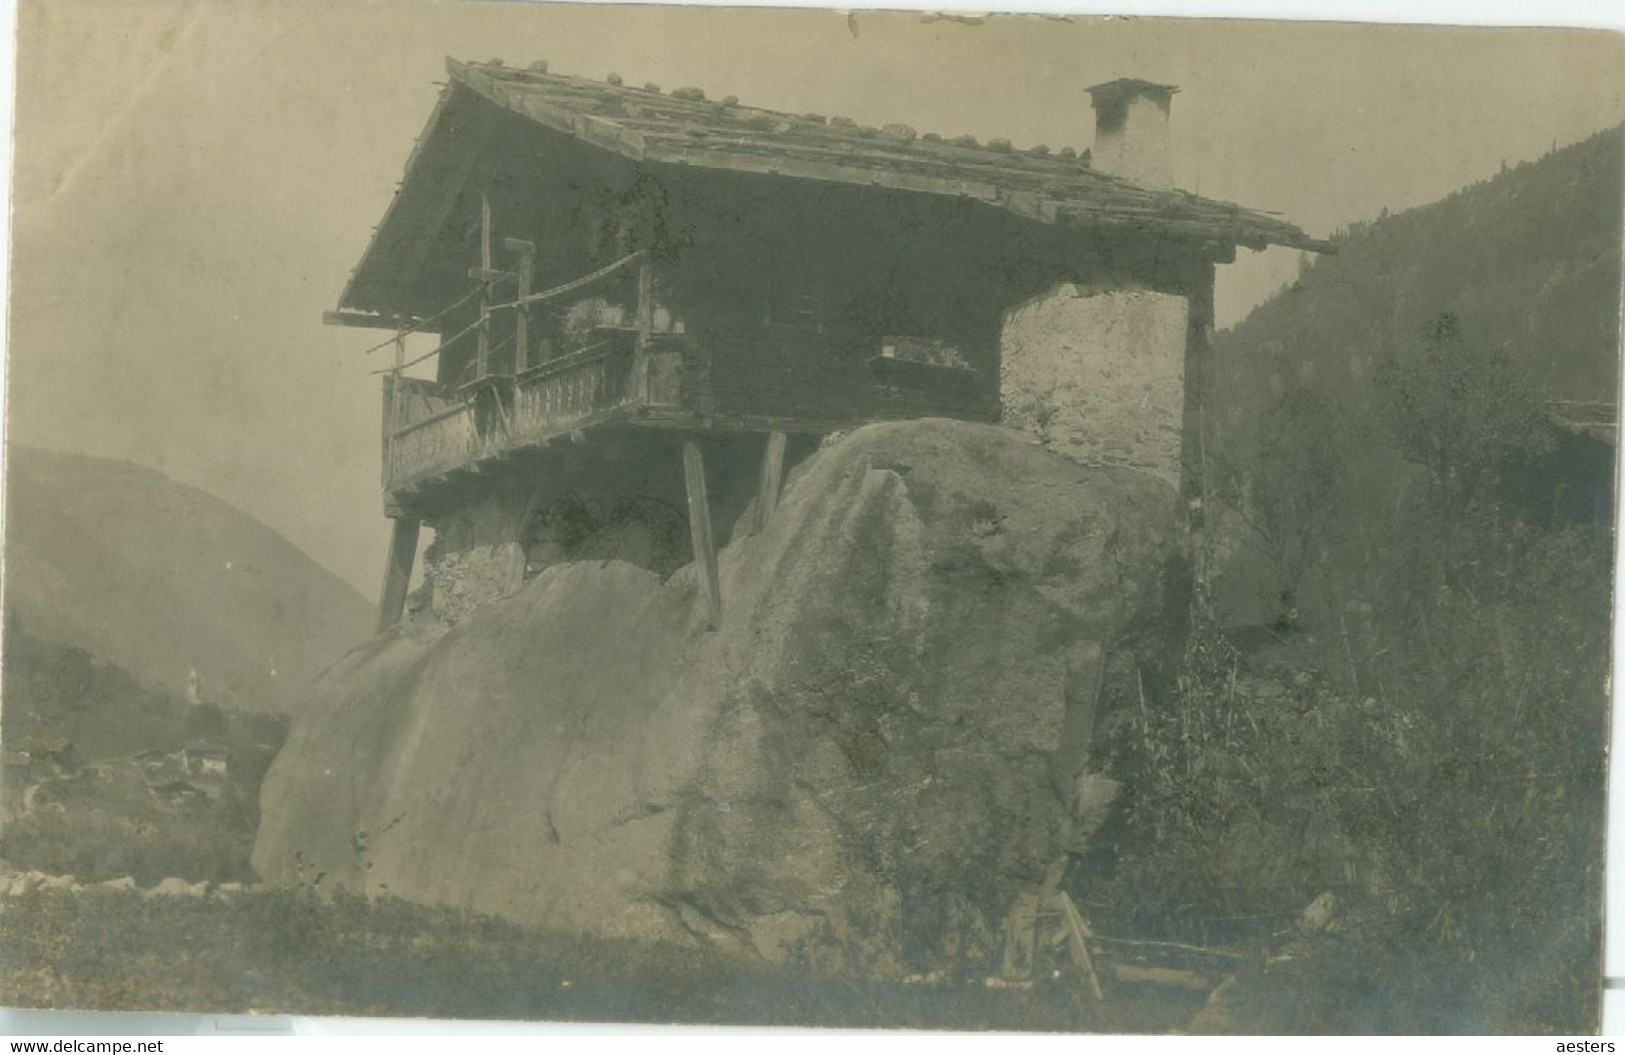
(741, 258)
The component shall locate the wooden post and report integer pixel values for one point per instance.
(1077, 933)
(699, 529)
(395, 378)
(527, 267)
(1017, 961)
(392, 407)
(767, 488)
(1193, 453)
(403, 551)
(646, 315)
(482, 358)
(386, 437)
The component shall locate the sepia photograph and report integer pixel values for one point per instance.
(1044, 523)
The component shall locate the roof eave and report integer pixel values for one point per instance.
(1257, 230)
(347, 299)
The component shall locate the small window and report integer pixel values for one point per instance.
(798, 305)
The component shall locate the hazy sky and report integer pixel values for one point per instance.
(194, 180)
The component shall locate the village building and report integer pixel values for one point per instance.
(183, 792)
(1575, 482)
(153, 759)
(636, 292)
(202, 759)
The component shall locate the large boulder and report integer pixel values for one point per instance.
(865, 765)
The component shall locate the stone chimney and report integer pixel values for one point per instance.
(1131, 131)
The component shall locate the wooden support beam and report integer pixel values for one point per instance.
(370, 322)
(699, 529)
(1194, 428)
(482, 354)
(646, 297)
(639, 381)
(527, 269)
(403, 551)
(392, 407)
(391, 382)
(767, 488)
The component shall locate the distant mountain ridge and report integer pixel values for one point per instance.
(1529, 258)
(163, 579)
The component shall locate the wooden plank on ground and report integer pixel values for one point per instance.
(1078, 938)
(1170, 976)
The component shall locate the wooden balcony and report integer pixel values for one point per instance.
(761, 381)
(437, 432)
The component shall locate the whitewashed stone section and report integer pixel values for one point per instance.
(1099, 377)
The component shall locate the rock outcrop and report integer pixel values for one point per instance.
(864, 766)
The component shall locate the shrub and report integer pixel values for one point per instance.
(1428, 745)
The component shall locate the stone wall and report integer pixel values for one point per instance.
(455, 582)
(1099, 377)
(475, 557)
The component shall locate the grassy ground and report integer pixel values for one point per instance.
(104, 823)
(289, 953)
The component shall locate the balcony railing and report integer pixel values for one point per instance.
(437, 432)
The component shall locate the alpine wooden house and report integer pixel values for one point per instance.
(626, 283)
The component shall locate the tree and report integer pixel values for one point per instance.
(1285, 481)
(1466, 410)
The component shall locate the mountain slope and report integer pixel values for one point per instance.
(162, 579)
(1492, 302)
(1529, 260)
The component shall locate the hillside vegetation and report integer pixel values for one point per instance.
(1405, 716)
(1528, 261)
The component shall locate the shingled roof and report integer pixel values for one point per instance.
(683, 127)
